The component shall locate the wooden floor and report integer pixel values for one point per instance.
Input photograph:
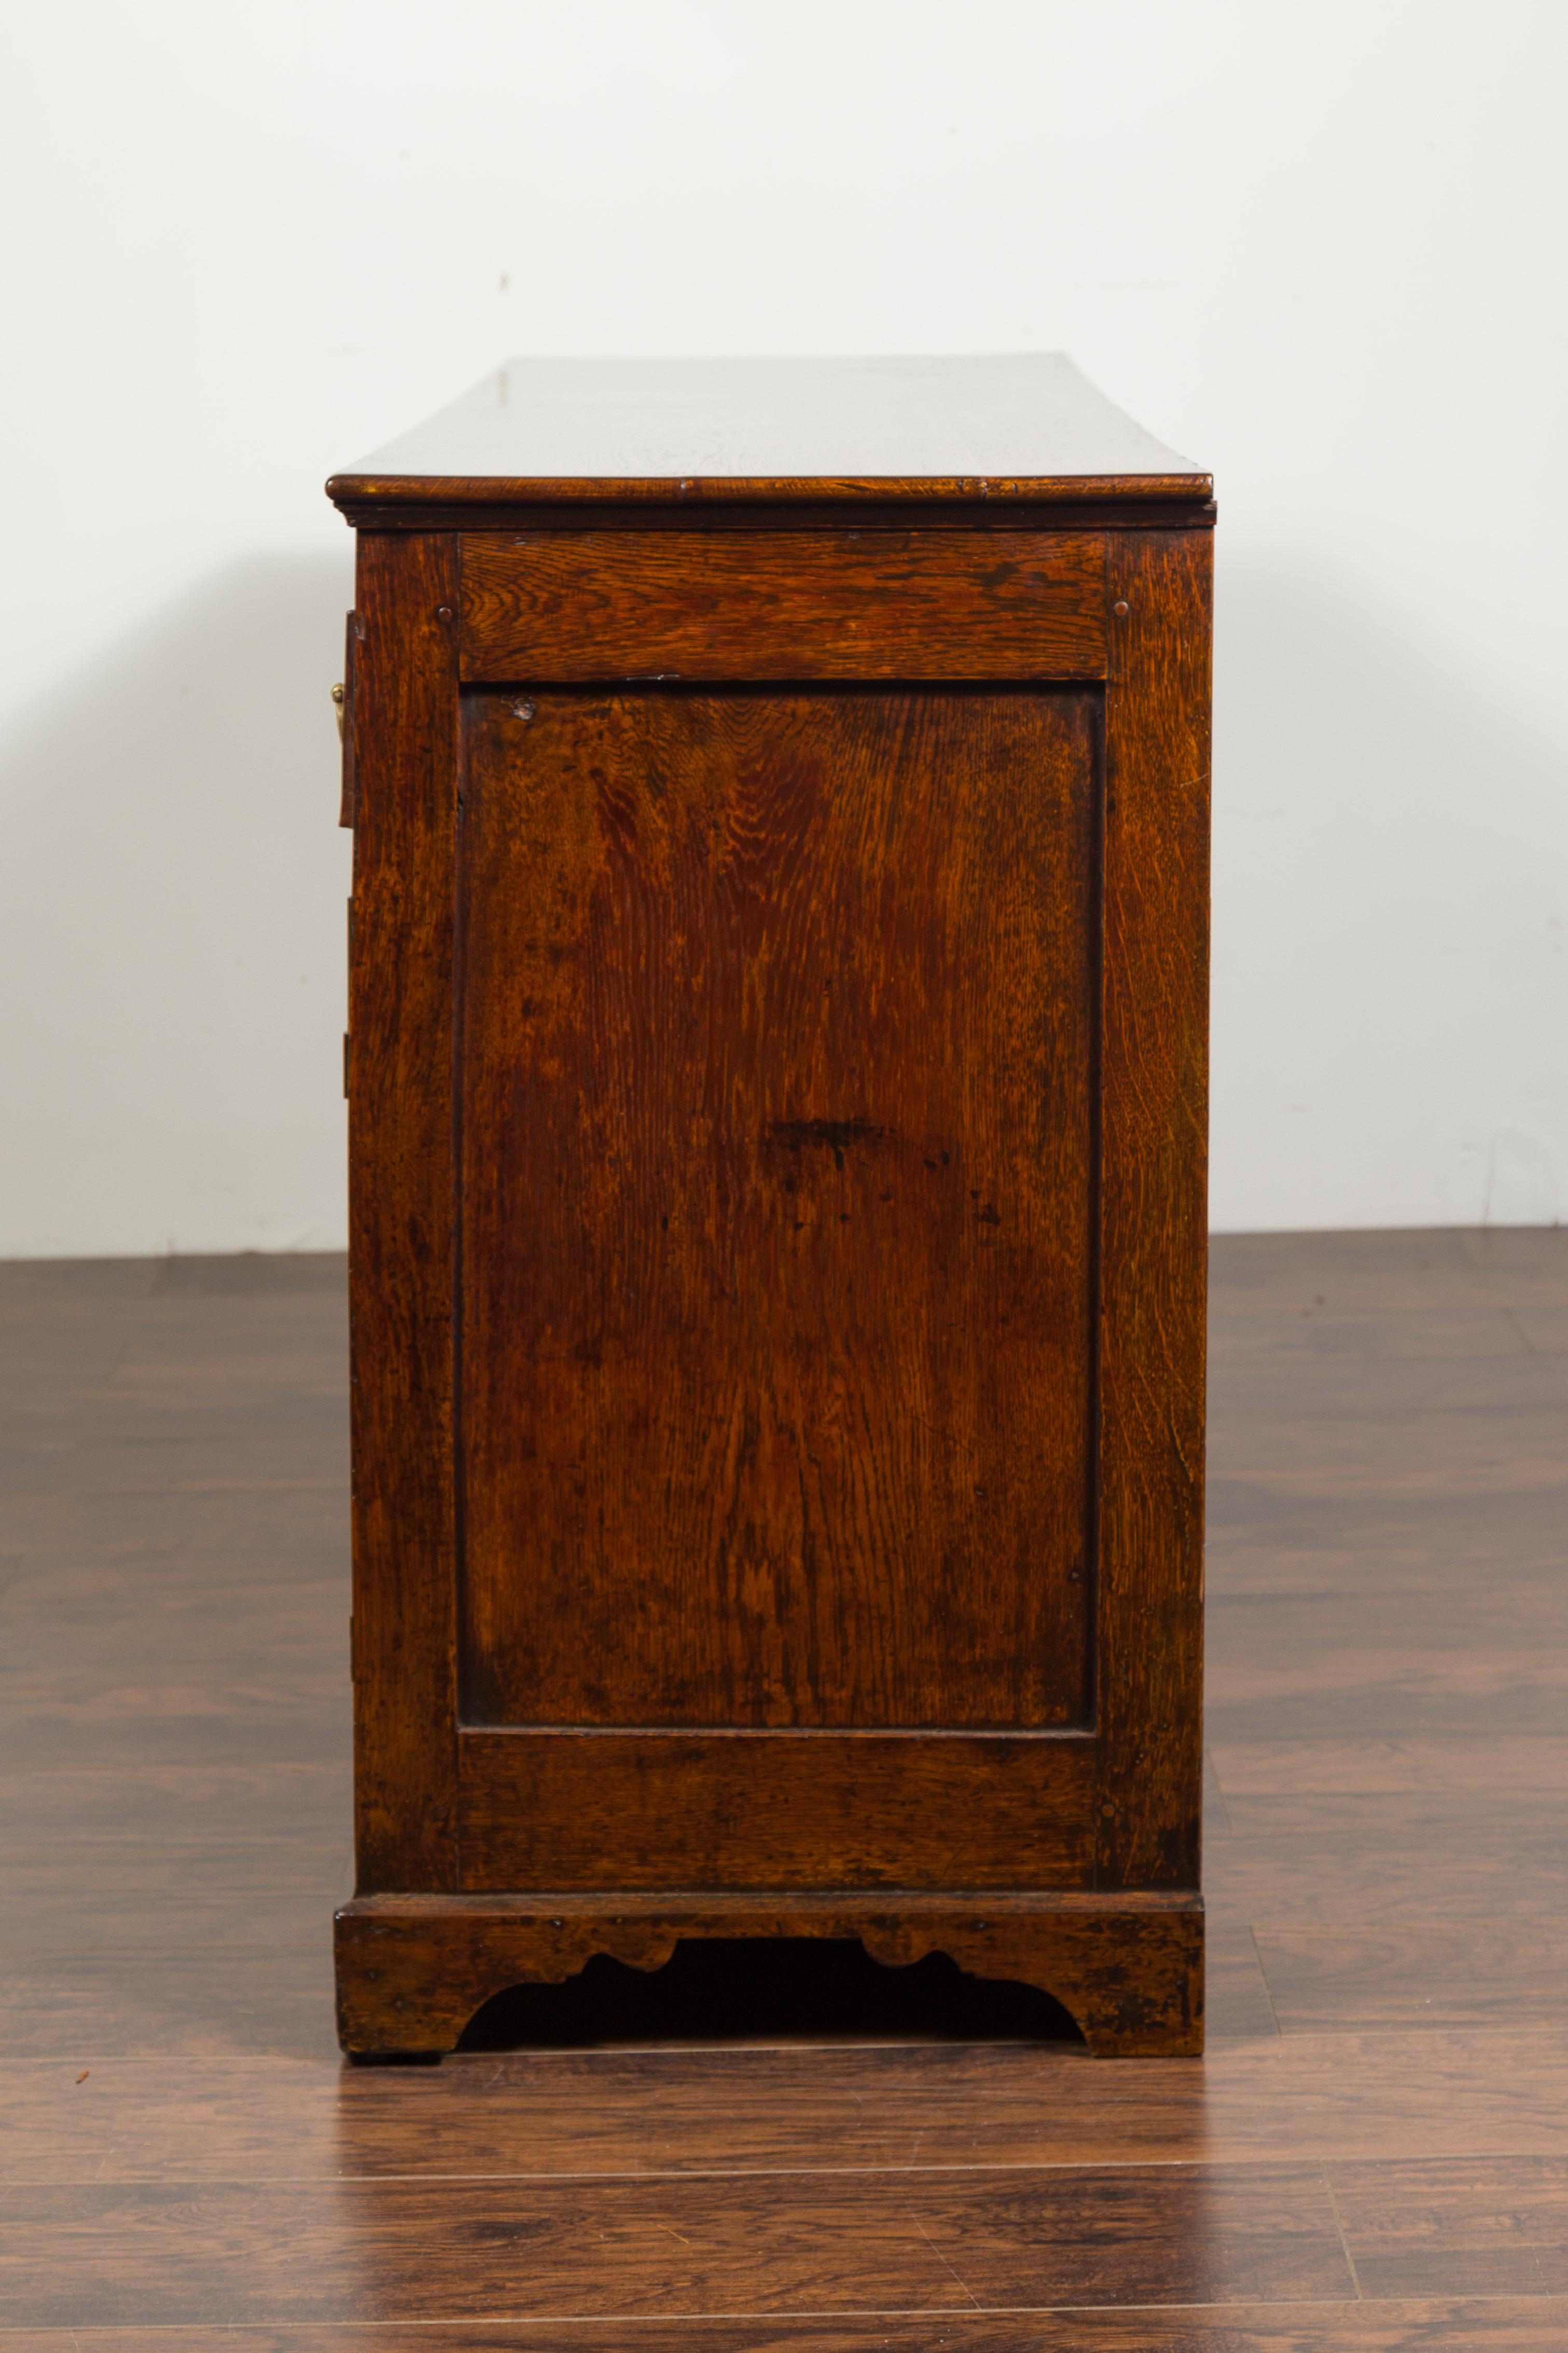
(1374, 2153)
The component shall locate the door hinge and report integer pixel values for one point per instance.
(344, 697)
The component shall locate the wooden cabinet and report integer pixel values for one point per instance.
(777, 1112)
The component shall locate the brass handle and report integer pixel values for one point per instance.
(338, 699)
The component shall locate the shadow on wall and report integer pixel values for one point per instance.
(171, 931)
(1390, 918)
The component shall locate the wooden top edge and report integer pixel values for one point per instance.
(1023, 426)
(471, 490)
(632, 1904)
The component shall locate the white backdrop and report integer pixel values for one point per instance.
(1318, 250)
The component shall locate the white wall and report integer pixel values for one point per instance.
(1318, 248)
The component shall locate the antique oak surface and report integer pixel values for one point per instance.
(754, 1394)
(777, 1104)
(1372, 2156)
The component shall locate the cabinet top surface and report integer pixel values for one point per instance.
(1017, 425)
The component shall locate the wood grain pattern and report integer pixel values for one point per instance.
(188, 1808)
(847, 1809)
(1457, 2226)
(412, 1970)
(138, 1910)
(779, 1019)
(1320, 1858)
(405, 2252)
(1153, 1232)
(1420, 1271)
(1404, 2042)
(1417, 1973)
(1326, 2325)
(679, 2103)
(1493, 1761)
(400, 1211)
(456, 501)
(171, 2005)
(832, 604)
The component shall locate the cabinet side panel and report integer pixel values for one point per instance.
(777, 1189)
(400, 1214)
(1153, 1212)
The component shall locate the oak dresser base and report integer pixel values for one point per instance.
(414, 1969)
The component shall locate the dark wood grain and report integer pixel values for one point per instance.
(1398, 1396)
(137, 1908)
(1326, 2325)
(413, 1970)
(1463, 1707)
(271, 1998)
(1373, 1335)
(1416, 1973)
(1492, 1761)
(373, 500)
(148, 1722)
(785, 1809)
(207, 2065)
(191, 1808)
(1417, 1272)
(307, 1630)
(1236, 2001)
(680, 2105)
(1457, 2226)
(1153, 1223)
(400, 1211)
(779, 1015)
(395, 2251)
(855, 604)
(1367, 1858)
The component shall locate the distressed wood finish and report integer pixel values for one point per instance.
(773, 1810)
(1153, 1215)
(845, 604)
(779, 1021)
(384, 501)
(1129, 1967)
(778, 1121)
(403, 723)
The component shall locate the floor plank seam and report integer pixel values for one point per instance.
(1249, 2166)
(1340, 2228)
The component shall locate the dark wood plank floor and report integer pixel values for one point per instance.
(1374, 2154)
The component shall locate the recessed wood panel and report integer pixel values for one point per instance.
(799, 604)
(565, 1810)
(778, 1016)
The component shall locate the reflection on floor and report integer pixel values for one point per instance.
(1373, 2154)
